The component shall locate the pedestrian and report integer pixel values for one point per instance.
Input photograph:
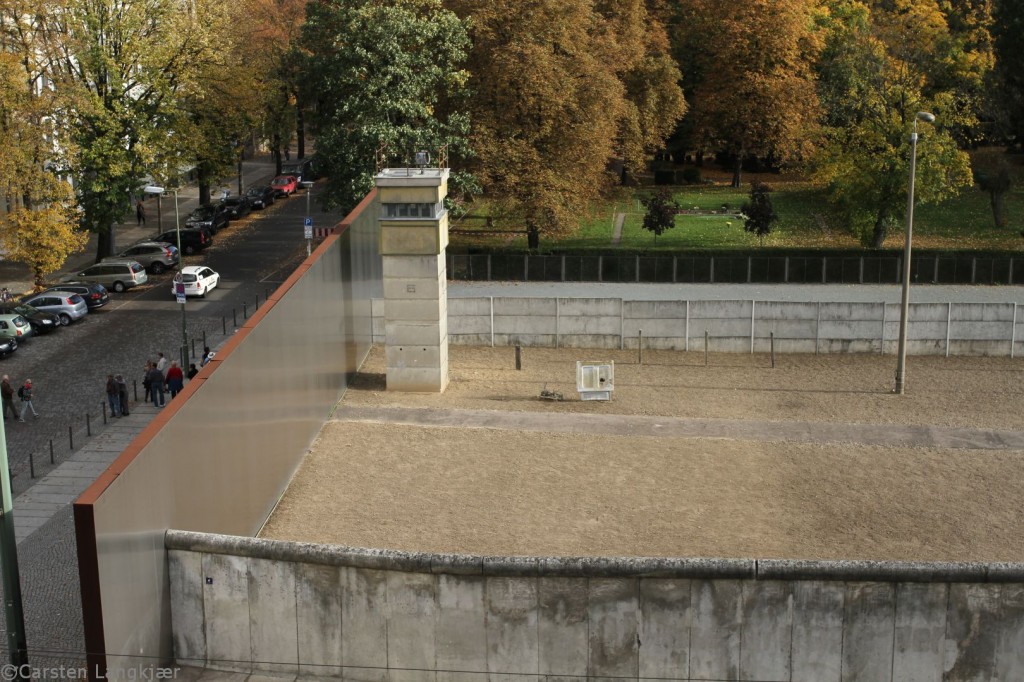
(122, 393)
(161, 362)
(224, 194)
(156, 385)
(140, 212)
(25, 393)
(175, 378)
(113, 396)
(192, 371)
(147, 385)
(207, 356)
(7, 393)
(287, 153)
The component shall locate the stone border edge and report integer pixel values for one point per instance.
(594, 567)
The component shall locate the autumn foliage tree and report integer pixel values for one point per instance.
(40, 224)
(759, 212)
(661, 212)
(756, 94)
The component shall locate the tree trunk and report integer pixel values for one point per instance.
(879, 233)
(737, 169)
(105, 243)
(699, 159)
(997, 208)
(204, 185)
(300, 130)
(532, 236)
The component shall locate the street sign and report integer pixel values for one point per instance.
(179, 292)
(308, 225)
(308, 222)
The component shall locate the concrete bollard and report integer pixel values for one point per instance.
(772, 341)
(640, 347)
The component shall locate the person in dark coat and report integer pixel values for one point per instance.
(7, 393)
(113, 396)
(122, 393)
(192, 371)
(156, 385)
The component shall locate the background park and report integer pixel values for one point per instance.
(558, 118)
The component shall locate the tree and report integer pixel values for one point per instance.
(760, 214)
(1008, 30)
(661, 212)
(119, 68)
(639, 53)
(873, 82)
(992, 174)
(39, 227)
(546, 107)
(385, 74)
(756, 93)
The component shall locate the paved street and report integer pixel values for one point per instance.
(69, 369)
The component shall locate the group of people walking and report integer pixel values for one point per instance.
(161, 377)
(25, 393)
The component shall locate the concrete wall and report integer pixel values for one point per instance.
(732, 326)
(255, 409)
(267, 606)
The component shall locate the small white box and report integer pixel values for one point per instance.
(595, 380)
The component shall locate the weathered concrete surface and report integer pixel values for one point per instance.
(599, 618)
(740, 326)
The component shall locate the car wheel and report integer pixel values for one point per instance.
(189, 250)
(119, 287)
(65, 319)
(157, 268)
(202, 293)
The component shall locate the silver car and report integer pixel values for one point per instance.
(66, 305)
(117, 275)
(154, 256)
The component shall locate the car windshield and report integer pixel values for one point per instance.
(255, 191)
(281, 181)
(25, 309)
(137, 267)
(203, 213)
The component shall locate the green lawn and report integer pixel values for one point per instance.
(963, 222)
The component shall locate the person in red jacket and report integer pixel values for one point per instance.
(175, 378)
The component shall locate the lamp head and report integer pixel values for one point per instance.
(153, 189)
(926, 117)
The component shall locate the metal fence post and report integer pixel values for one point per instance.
(51, 451)
(31, 465)
(88, 425)
(71, 438)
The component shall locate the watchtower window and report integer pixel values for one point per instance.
(413, 211)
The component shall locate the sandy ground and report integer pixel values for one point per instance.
(495, 491)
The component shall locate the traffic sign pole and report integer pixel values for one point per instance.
(307, 226)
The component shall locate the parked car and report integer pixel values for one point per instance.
(94, 293)
(41, 321)
(193, 239)
(7, 346)
(285, 185)
(213, 217)
(198, 280)
(154, 256)
(261, 197)
(118, 276)
(66, 305)
(14, 326)
(238, 207)
(303, 169)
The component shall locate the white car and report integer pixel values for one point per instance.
(198, 279)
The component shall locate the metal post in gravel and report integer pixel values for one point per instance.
(204, 342)
(71, 439)
(88, 426)
(640, 347)
(519, 357)
(256, 305)
(234, 319)
(223, 326)
(135, 389)
(51, 451)
(772, 340)
(245, 310)
(31, 464)
(193, 346)
(103, 409)
(705, 347)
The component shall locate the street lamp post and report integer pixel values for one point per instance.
(901, 361)
(308, 185)
(153, 189)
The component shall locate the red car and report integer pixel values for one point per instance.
(285, 185)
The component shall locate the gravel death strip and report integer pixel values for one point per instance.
(770, 487)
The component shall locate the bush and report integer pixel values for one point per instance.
(691, 175)
(663, 177)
